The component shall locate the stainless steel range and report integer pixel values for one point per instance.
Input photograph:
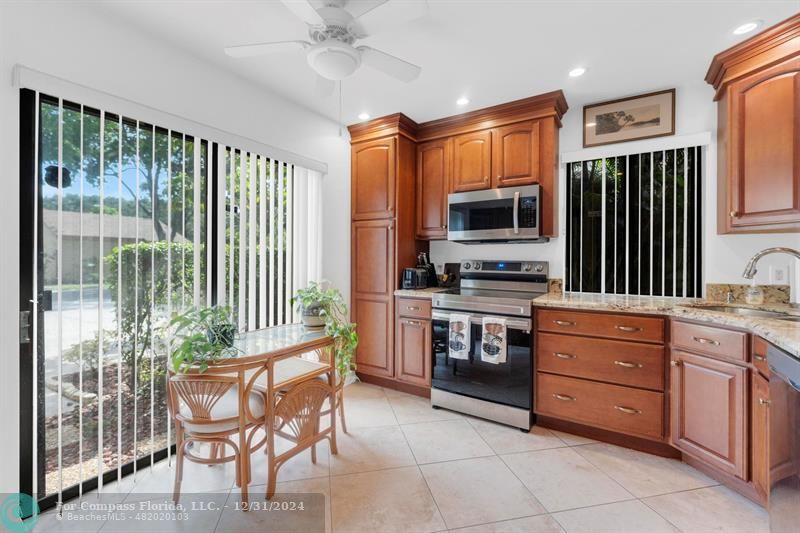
(500, 392)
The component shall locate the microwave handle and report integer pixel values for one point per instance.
(516, 212)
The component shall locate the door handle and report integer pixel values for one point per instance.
(759, 357)
(516, 212)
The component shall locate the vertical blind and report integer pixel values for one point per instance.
(634, 224)
(136, 223)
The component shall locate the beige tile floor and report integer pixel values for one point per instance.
(408, 468)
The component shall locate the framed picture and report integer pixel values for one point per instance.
(629, 119)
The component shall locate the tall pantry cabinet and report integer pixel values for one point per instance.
(383, 215)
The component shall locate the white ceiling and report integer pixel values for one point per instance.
(491, 51)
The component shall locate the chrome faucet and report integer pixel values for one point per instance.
(750, 269)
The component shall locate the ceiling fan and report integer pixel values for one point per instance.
(333, 28)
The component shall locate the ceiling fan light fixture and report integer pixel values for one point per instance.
(334, 59)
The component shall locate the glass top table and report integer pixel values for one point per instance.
(276, 342)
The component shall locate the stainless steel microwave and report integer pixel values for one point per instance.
(507, 214)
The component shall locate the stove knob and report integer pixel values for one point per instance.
(466, 266)
(476, 265)
(539, 268)
(526, 267)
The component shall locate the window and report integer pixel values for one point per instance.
(135, 222)
(634, 224)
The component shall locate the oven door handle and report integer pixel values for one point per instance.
(516, 213)
(511, 323)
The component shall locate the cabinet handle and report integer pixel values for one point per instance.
(759, 357)
(627, 410)
(564, 397)
(412, 322)
(734, 214)
(412, 308)
(675, 363)
(627, 364)
(629, 329)
(763, 402)
(563, 322)
(703, 340)
(564, 355)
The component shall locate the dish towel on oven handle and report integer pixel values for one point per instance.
(458, 336)
(493, 340)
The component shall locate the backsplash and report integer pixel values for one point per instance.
(773, 294)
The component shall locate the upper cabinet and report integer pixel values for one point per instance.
(373, 179)
(472, 161)
(434, 161)
(758, 95)
(515, 154)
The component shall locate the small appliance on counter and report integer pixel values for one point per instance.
(415, 278)
(430, 270)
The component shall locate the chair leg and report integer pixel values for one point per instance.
(176, 493)
(341, 410)
(272, 482)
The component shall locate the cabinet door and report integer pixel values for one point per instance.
(709, 411)
(373, 179)
(433, 183)
(472, 156)
(515, 154)
(764, 149)
(373, 284)
(759, 428)
(413, 351)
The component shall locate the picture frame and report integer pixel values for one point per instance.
(632, 118)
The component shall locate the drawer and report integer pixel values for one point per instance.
(414, 307)
(760, 355)
(614, 326)
(710, 340)
(625, 363)
(631, 411)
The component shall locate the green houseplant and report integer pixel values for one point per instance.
(328, 304)
(200, 337)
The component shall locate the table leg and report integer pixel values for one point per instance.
(332, 382)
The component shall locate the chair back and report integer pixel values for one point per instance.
(298, 412)
(200, 393)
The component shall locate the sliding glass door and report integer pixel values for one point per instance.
(123, 225)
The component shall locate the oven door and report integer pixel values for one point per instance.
(505, 214)
(507, 383)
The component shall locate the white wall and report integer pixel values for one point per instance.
(724, 255)
(72, 42)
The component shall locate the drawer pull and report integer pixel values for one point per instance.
(412, 322)
(763, 401)
(564, 397)
(627, 364)
(628, 329)
(703, 340)
(564, 355)
(759, 357)
(412, 308)
(627, 410)
(563, 322)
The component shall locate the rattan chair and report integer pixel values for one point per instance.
(208, 408)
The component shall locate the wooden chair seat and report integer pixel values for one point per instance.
(226, 410)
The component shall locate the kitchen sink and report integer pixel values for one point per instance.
(747, 311)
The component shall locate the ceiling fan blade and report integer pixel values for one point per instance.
(323, 86)
(260, 49)
(389, 64)
(357, 8)
(386, 15)
(304, 10)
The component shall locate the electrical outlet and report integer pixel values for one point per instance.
(779, 275)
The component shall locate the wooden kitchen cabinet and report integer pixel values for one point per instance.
(373, 179)
(472, 161)
(434, 161)
(709, 411)
(758, 167)
(515, 154)
(413, 351)
(759, 433)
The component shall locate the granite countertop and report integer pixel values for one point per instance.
(784, 334)
(420, 293)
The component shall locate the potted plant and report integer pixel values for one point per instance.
(329, 307)
(200, 337)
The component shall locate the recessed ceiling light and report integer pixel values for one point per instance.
(577, 71)
(363, 116)
(462, 101)
(747, 27)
